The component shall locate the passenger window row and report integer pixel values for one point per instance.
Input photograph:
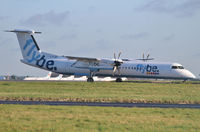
(127, 68)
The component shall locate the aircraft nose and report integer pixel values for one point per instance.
(188, 74)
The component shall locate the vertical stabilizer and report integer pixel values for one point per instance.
(29, 48)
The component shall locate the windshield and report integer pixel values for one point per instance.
(177, 67)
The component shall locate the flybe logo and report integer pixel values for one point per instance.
(148, 69)
(42, 62)
(32, 53)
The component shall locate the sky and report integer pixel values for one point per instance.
(168, 30)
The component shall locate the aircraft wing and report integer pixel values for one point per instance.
(94, 63)
(95, 68)
(85, 59)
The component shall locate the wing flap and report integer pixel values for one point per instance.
(95, 68)
(85, 59)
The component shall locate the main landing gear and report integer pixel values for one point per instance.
(90, 79)
(118, 79)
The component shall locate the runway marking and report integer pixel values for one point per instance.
(129, 105)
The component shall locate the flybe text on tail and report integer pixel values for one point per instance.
(32, 53)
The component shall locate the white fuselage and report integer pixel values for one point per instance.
(131, 69)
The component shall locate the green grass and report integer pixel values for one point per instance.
(101, 92)
(20, 118)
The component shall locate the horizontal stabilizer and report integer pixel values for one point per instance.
(22, 31)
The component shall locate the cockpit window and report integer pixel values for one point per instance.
(177, 67)
(180, 67)
(174, 67)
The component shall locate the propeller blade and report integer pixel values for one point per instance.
(119, 55)
(114, 56)
(114, 70)
(118, 69)
(148, 56)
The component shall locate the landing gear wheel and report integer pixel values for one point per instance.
(90, 79)
(118, 80)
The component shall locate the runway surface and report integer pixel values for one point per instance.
(141, 105)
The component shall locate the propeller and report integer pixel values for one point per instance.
(117, 63)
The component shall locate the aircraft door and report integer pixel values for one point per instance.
(68, 67)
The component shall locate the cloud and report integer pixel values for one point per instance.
(99, 46)
(3, 17)
(69, 36)
(5, 41)
(91, 9)
(196, 54)
(103, 44)
(135, 36)
(179, 8)
(47, 18)
(169, 38)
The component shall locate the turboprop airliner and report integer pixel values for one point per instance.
(90, 67)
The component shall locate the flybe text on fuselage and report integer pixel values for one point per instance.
(43, 63)
(147, 68)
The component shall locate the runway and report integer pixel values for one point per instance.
(129, 105)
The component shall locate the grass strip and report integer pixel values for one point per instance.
(20, 118)
(181, 93)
